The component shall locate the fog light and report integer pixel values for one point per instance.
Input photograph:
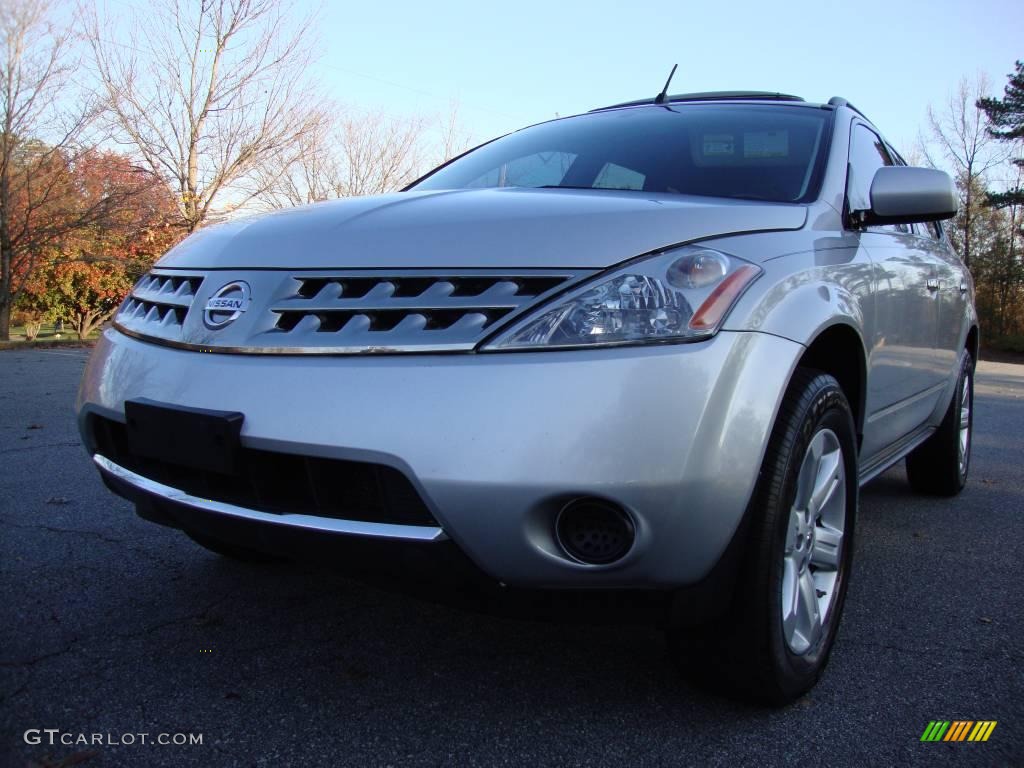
(593, 531)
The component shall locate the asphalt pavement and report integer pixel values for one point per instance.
(116, 627)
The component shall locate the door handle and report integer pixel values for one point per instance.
(932, 285)
(963, 287)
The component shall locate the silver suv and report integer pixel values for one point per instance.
(654, 349)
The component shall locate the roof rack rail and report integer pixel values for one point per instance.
(839, 101)
(710, 96)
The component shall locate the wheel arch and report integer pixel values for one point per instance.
(972, 343)
(838, 350)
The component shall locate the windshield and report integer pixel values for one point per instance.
(754, 152)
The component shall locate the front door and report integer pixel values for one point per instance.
(904, 382)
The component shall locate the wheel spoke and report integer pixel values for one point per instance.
(806, 480)
(790, 597)
(827, 548)
(791, 532)
(807, 618)
(965, 422)
(826, 481)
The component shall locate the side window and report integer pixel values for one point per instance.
(614, 176)
(543, 168)
(867, 155)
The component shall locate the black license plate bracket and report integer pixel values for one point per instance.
(189, 437)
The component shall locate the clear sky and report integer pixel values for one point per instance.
(509, 64)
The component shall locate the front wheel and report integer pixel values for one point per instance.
(775, 642)
(939, 465)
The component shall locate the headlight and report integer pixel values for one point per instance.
(678, 295)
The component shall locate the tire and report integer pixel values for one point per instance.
(230, 551)
(752, 652)
(939, 466)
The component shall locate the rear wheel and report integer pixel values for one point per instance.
(775, 642)
(230, 551)
(940, 464)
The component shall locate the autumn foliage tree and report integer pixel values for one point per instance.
(84, 277)
(44, 117)
(83, 293)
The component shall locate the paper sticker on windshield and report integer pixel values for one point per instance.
(718, 144)
(766, 144)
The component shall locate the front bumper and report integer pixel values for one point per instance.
(496, 444)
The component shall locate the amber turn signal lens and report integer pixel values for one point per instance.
(711, 312)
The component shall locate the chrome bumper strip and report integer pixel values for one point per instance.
(306, 522)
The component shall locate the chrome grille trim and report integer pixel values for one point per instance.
(158, 304)
(353, 311)
(404, 311)
(462, 305)
(169, 289)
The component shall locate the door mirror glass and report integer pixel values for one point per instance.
(904, 195)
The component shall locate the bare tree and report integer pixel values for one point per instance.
(958, 139)
(210, 94)
(306, 173)
(379, 153)
(42, 121)
(454, 139)
(360, 153)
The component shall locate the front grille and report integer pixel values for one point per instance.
(159, 303)
(402, 312)
(281, 483)
(339, 311)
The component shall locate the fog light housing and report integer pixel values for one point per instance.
(594, 532)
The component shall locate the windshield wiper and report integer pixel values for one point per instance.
(599, 189)
(563, 186)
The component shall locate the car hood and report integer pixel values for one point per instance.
(507, 227)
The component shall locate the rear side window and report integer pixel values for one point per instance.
(746, 151)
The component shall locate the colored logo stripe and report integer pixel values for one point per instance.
(958, 730)
(982, 730)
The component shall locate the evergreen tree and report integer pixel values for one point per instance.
(1006, 119)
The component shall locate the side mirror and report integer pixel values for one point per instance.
(904, 195)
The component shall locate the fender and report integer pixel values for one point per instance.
(820, 299)
(809, 292)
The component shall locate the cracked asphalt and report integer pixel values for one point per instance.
(111, 625)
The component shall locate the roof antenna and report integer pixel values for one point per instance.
(660, 98)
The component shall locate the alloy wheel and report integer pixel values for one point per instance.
(965, 424)
(812, 556)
